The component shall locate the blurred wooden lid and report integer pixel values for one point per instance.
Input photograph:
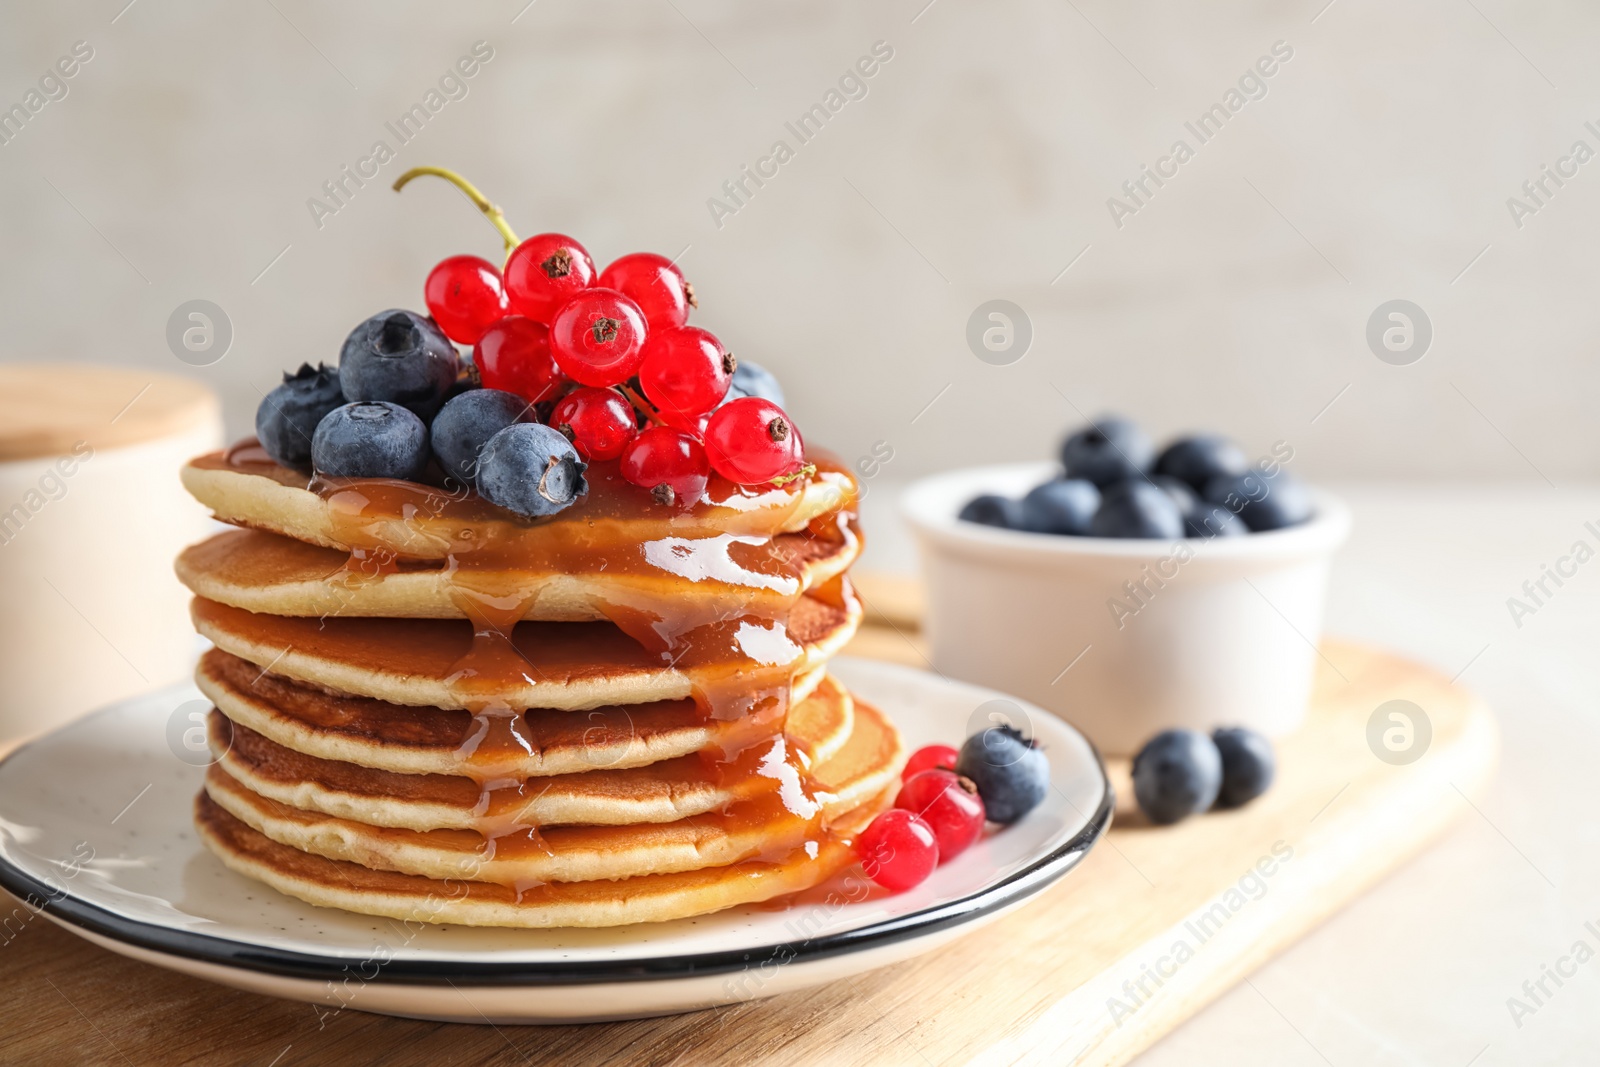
(46, 408)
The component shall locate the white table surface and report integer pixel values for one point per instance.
(1420, 969)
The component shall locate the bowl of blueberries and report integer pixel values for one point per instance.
(1132, 589)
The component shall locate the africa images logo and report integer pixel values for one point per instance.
(1252, 85)
(453, 84)
(852, 85)
(53, 86)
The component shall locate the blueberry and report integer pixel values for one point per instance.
(752, 379)
(288, 416)
(1198, 459)
(1108, 450)
(531, 469)
(465, 424)
(1176, 774)
(1064, 506)
(399, 357)
(1213, 520)
(1263, 501)
(1012, 775)
(370, 439)
(992, 510)
(1248, 765)
(1137, 509)
(1179, 491)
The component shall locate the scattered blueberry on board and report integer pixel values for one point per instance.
(1248, 765)
(1176, 774)
(1113, 483)
(1179, 773)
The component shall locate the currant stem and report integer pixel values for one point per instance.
(804, 472)
(481, 202)
(640, 405)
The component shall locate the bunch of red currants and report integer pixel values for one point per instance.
(629, 379)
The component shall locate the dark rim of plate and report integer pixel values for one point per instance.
(225, 952)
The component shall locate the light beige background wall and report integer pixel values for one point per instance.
(978, 166)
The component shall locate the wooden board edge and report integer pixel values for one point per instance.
(1080, 1030)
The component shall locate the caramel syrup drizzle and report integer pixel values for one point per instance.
(661, 564)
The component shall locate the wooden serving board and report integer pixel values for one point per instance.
(1153, 925)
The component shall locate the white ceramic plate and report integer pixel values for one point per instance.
(95, 829)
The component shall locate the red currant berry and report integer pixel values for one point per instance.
(465, 297)
(598, 422)
(655, 284)
(514, 355)
(670, 463)
(597, 337)
(949, 804)
(544, 272)
(685, 373)
(751, 440)
(898, 850)
(929, 757)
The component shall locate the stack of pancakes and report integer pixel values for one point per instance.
(428, 709)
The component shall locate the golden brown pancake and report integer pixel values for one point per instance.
(430, 708)
(245, 488)
(647, 898)
(490, 802)
(421, 741)
(265, 572)
(566, 665)
(767, 825)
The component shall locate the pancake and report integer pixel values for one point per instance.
(767, 826)
(421, 741)
(565, 665)
(488, 803)
(647, 898)
(265, 572)
(429, 708)
(245, 488)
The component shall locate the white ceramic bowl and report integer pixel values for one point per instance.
(1124, 638)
